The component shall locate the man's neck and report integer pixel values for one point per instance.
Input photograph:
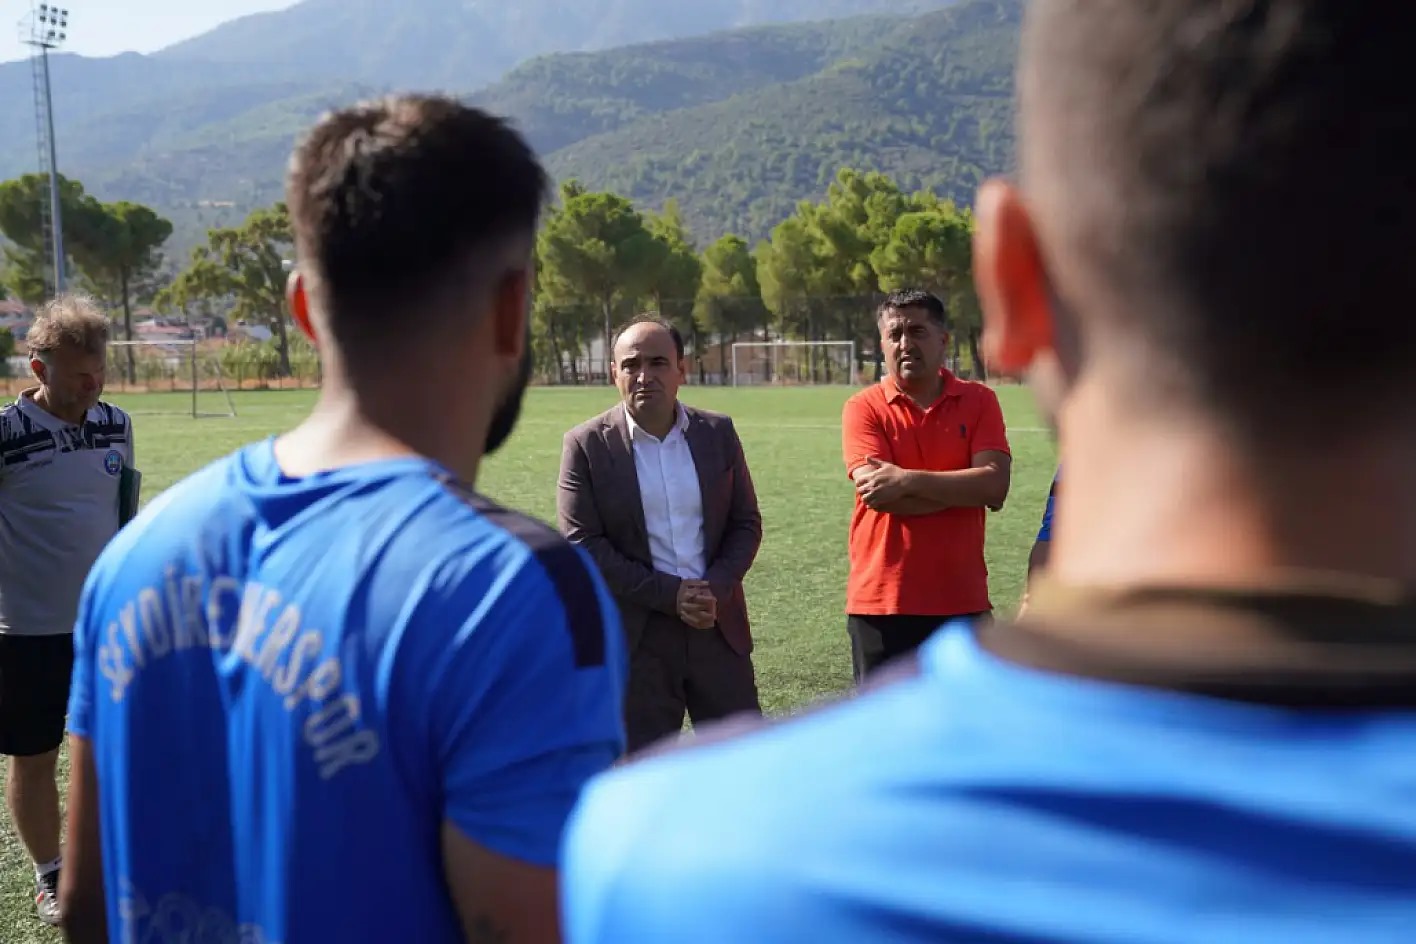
(923, 392)
(345, 430)
(1171, 501)
(45, 402)
(658, 425)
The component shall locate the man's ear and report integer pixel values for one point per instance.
(299, 301)
(511, 315)
(39, 369)
(1011, 281)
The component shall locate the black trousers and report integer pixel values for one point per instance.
(677, 670)
(877, 640)
(34, 692)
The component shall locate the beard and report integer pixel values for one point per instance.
(509, 409)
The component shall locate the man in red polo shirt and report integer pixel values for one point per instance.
(928, 453)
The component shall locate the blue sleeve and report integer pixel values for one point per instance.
(1045, 532)
(636, 864)
(592, 866)
(82, 681)
(689, 847)
(525, 702)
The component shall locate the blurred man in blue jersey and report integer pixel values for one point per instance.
(1205, 728)
(1042, 546)
(323, 690)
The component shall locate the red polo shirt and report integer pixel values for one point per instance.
(926, 565)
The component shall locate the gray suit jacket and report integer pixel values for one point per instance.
(599, 507)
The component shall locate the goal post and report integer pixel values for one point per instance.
(168, 377)
(793, 363)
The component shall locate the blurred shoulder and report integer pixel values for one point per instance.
(541, 565)
(189, 512)
(730, 754)
(209, 487)
(727, 816)
(515, 528)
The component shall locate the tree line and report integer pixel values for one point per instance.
(599, 259)
(817, 277)
(114, 248)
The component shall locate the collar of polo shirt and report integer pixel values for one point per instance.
(951, 387)
(30, 405)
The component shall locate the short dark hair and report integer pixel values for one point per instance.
(914, 298)
(1232, 184)
(664, 323)
(388, 200)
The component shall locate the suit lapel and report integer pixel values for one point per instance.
(616, 431)
(704, 452)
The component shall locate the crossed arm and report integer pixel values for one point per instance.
(890, 489)
(911, 492)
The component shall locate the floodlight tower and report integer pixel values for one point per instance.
(45, 28)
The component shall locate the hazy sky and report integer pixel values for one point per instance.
(108, 27)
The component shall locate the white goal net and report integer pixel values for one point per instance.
(172, 377)
(794, 363)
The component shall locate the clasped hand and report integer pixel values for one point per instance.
(697, 606)
(879, 483)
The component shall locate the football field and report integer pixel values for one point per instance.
(795, 592)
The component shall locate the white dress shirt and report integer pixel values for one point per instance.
(672, 500)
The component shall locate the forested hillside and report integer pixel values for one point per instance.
(559, 100)
(468, 43)
(737, 125)
(930, 105)
(111, 111)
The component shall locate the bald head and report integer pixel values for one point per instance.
(648, 370)
(650, 333)
(1228, 183)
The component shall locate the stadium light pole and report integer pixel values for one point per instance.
(48, 28)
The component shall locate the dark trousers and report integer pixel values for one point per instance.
(677, 670)
(34, 692)
(877, 640)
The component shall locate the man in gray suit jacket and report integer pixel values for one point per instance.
(660, 496)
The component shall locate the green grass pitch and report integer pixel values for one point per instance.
(795, 592)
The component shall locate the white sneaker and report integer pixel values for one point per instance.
(46, 898)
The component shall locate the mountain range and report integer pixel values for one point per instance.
(736, 119)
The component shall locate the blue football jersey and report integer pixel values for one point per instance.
(1044, 532)
(289, 685)
(978, 800)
